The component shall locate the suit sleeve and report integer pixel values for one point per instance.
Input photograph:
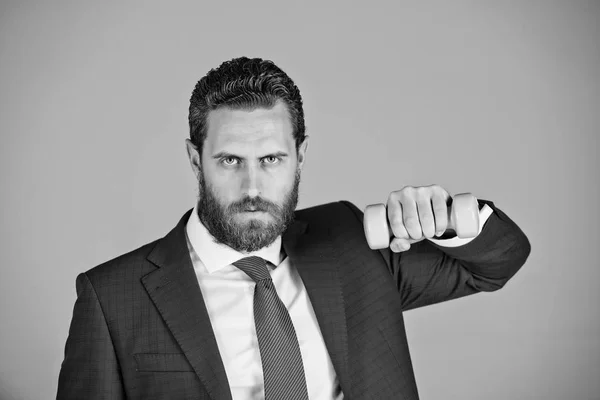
(429, 274)
(90, 369)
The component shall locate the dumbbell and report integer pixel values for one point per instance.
(463, 218)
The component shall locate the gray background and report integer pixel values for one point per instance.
(500, 99)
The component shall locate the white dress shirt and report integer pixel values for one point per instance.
(229, 296)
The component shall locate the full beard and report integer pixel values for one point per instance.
(250, 235)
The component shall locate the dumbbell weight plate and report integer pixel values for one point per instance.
(464, 215)
(376, 226)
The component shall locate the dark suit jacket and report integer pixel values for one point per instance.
(140, 328)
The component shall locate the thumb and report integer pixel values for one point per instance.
(398, 245)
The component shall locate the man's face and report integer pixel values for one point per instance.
(249, 175)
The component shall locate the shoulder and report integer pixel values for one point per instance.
(339, 215)
(135, 263)
(131, 264)
(333, 210)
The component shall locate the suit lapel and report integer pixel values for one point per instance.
(175, 291)
(315, 258)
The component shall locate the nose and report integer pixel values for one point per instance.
(251, 181)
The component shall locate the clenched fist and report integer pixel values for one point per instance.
(417, 213)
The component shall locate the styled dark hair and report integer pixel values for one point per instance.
(244, 84)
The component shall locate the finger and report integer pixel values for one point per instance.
(426, 216)
(411, 218)
(399, 245)
(394, 209)
(440, 213)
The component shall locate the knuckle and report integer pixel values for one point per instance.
(395, 196)
(427, 225)
(428, 231)
(416, 234)
(399, 196)
(427, 219)
(423, 193)
(411, 221)
(441, 219)
(396, 222)
(407, 190)
(413, 227)
(440, 210)
(394, 213)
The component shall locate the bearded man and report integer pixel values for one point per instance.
(249, 298)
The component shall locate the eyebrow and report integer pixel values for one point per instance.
(224, 154)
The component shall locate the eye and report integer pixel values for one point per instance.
(229, 160)
(271, 159)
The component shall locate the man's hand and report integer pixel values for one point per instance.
(416, 213)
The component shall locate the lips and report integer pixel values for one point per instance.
(256, 208)
(253, 210)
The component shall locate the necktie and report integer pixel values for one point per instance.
(277, 342)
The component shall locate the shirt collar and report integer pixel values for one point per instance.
(215, 255)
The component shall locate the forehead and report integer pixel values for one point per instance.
(239, 130)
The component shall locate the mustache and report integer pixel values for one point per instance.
(256, 204)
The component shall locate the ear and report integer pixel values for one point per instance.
(194, 156)
(302, 152)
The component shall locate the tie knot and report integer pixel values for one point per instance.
(255, 267)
